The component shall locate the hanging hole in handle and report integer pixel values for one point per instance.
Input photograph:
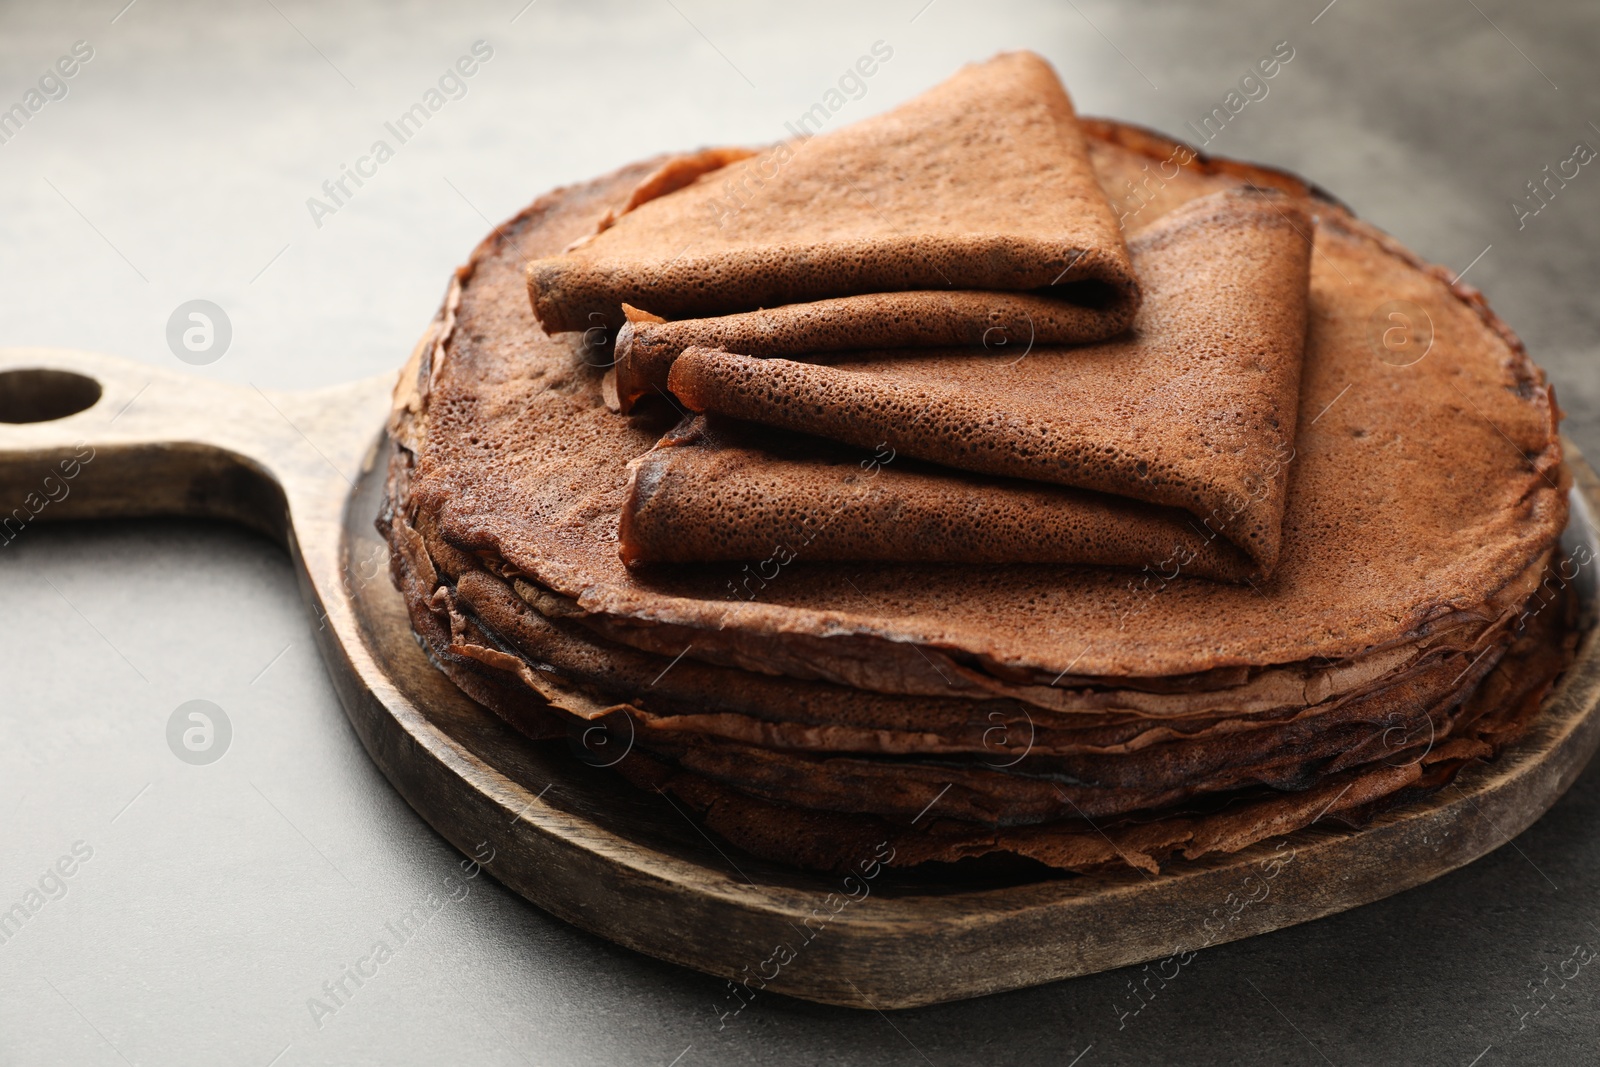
(38, 394)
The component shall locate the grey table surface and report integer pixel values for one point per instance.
(215, 901)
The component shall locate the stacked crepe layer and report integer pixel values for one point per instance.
(1138, 664)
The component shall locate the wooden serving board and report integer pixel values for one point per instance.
(574, 839)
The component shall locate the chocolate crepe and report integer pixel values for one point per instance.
(723, 490)
(1268, 707)
(1194, 410)
(1002, 324)
(981, 183)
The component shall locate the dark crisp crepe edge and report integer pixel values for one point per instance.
(820, 838)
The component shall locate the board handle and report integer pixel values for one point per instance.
(84, 435)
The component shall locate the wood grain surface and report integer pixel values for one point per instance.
(626, 865)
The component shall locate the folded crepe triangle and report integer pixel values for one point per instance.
(1002, 323)
(717, 489)
(1192, 412)
(981, 186)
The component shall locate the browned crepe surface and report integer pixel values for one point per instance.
(723, 490)
(981, 183)
(1002, 324)
(1194, 409)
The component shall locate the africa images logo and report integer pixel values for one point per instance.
(452, 85)
(199, 732)
(52, 85)
(199, 332)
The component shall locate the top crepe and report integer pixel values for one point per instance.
(982, 183)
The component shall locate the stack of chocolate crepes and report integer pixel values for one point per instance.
(984, 481)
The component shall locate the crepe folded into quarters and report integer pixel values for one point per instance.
(971, 208)
(1000, 323)
(719, 489)
(1183, 430)
(824, 713)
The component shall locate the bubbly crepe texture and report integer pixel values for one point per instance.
(721, 490)
(1002, 324)
(981, 183)
(1194, 409)
(803, 715)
